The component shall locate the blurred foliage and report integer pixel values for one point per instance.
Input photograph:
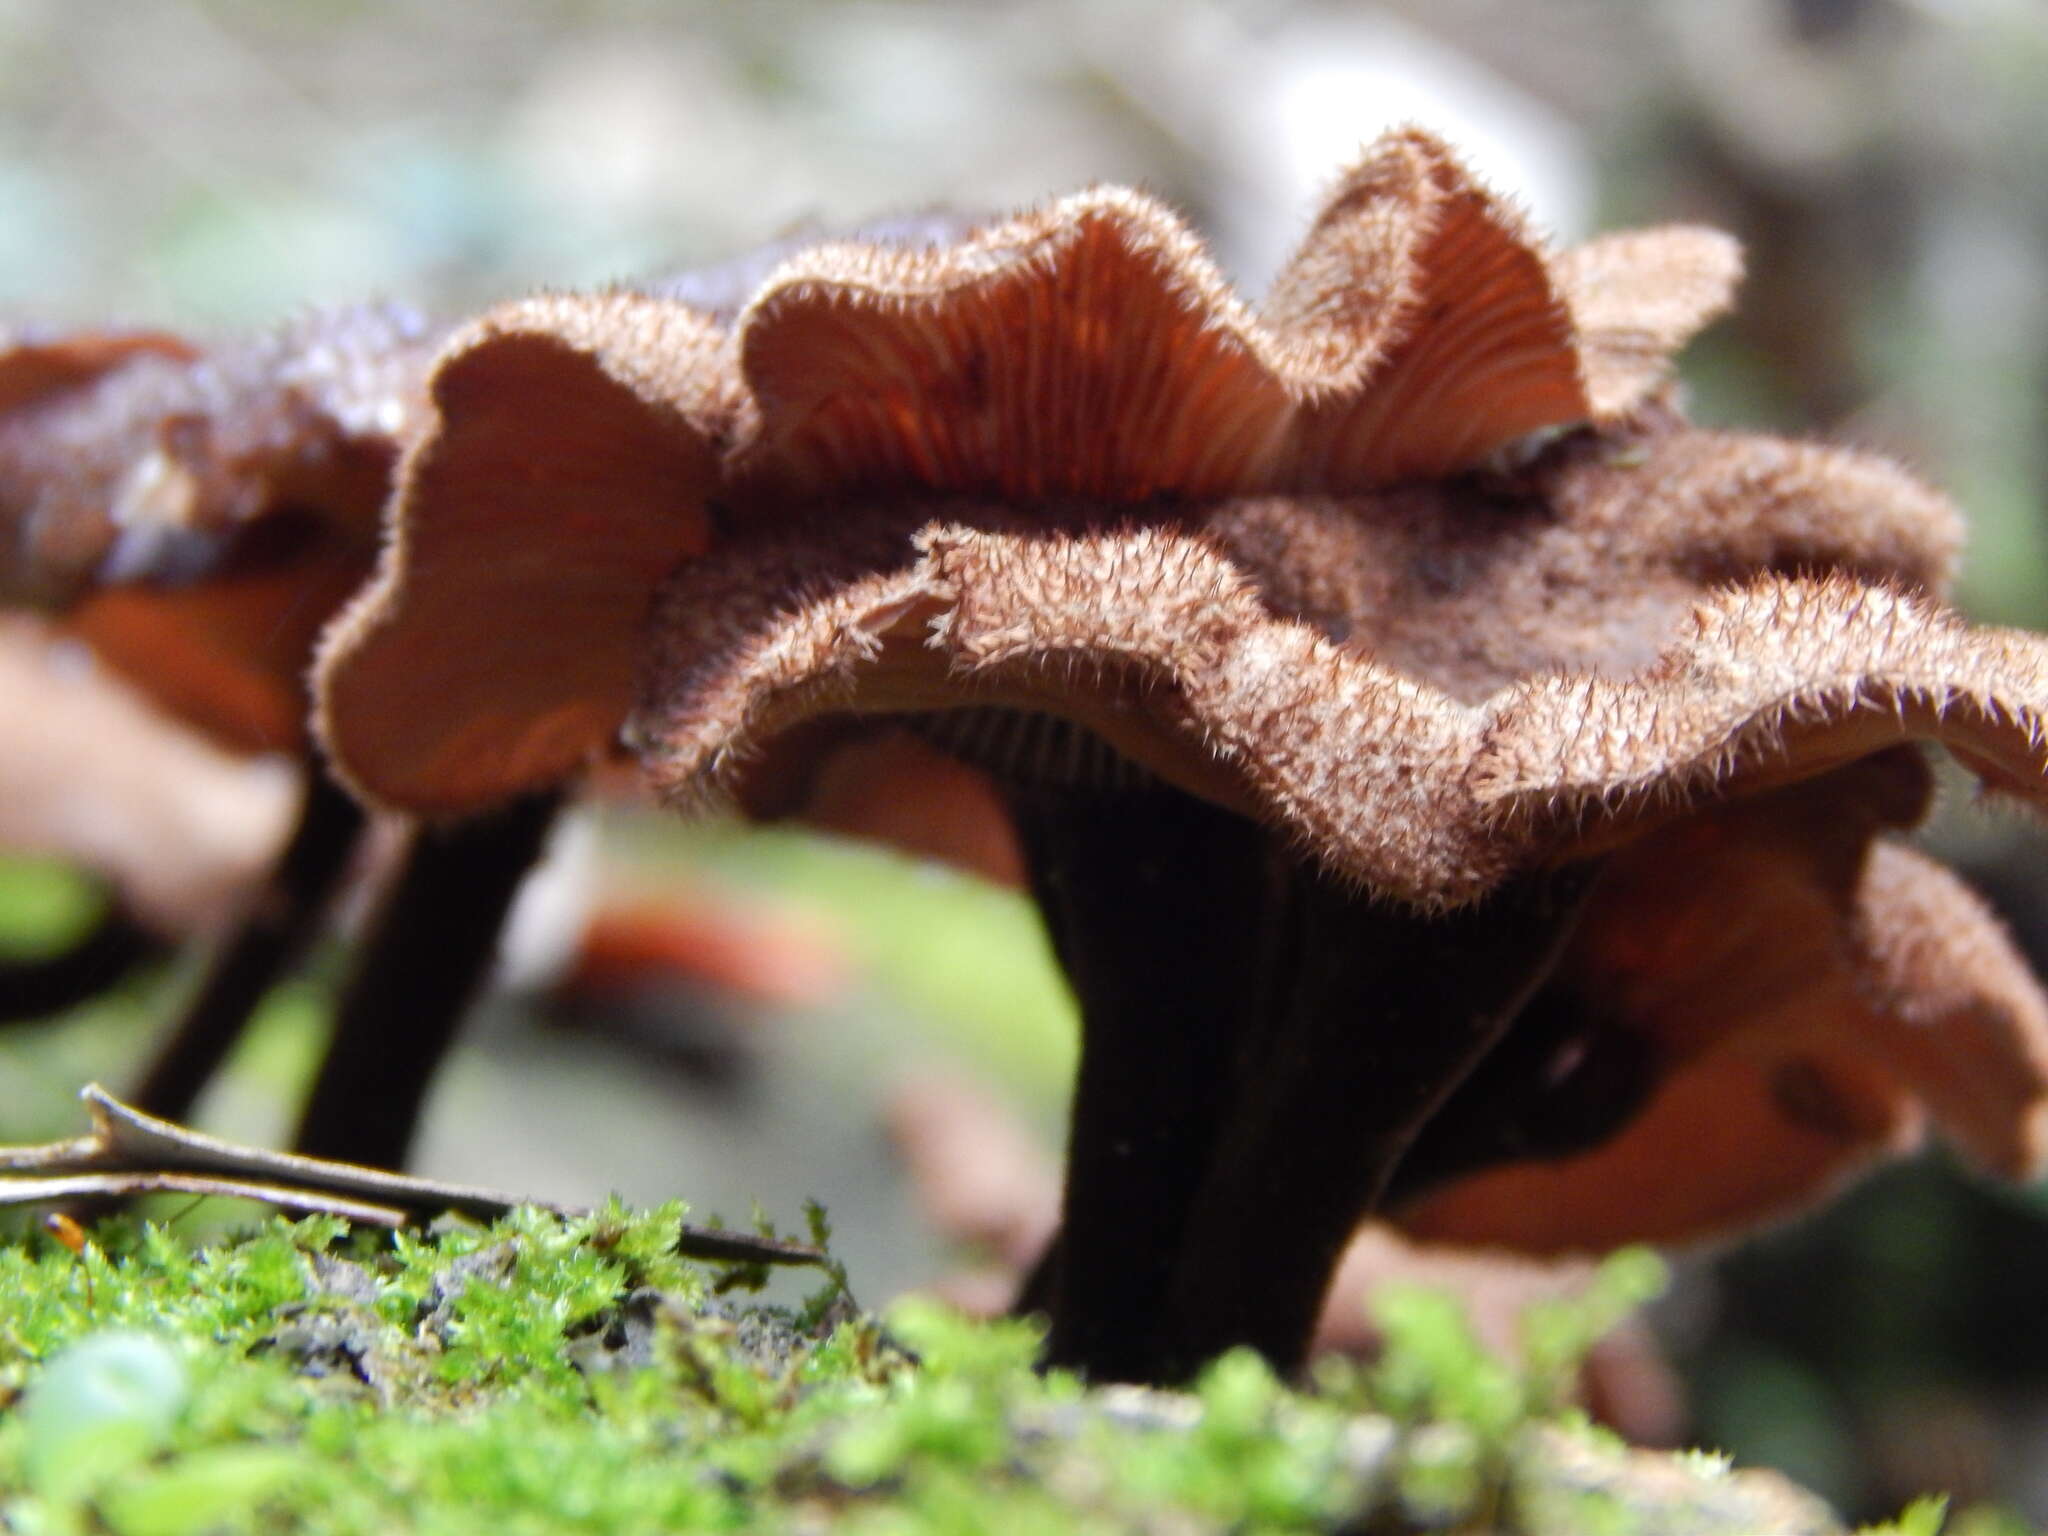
(1887, 1346)
(969, 960)
(44, 905)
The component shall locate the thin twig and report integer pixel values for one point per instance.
(131, 1153)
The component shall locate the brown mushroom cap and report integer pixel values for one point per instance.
(199, 513)
(1417, 566)
(34, 366)
(1088, 348)
(1091, 348)
(1813, 993)
(570, 468)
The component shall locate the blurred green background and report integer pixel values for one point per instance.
(201, 167)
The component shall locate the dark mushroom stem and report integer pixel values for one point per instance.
(1142, 900)
(280, 923)
(435, 936)
(427, 956)
(34, 987)
(1381, 1014)
(1262, 1047)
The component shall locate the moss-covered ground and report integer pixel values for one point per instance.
(553, 1375)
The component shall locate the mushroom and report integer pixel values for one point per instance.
(197, 515)
(1439, 764)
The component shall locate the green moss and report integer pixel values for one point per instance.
(577, 1376)
(1929, 1517)
(1923, 1517)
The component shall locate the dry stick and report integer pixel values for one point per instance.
(432, 947)
(280, 922)
(131, 1153)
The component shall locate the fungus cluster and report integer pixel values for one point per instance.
(197, 515)
(1456, 787)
